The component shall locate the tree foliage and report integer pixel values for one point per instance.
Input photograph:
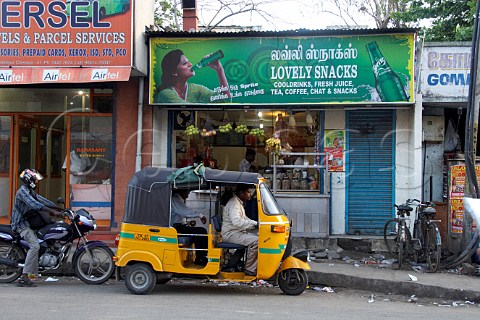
(441, 20)
(166, 15)
(211, 13)
(450, 20)
(350, 12)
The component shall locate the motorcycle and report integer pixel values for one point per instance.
(92, 260)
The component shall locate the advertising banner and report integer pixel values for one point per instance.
(445, 73)
(334, 143)
(68, 33)
(457, 180)
(357, 69)
(25, 75)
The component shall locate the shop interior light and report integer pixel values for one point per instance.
(260, 114)
(261, 124)
(279, 116)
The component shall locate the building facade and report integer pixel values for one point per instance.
(71, 93)
(342, 105)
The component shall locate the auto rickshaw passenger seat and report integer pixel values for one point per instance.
(185, 241)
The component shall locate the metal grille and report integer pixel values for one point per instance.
(370, 170)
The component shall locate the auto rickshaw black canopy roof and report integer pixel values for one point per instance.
(149, 190)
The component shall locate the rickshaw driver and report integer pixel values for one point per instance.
(235, 226)
(180, 212)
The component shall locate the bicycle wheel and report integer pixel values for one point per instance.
(404, 246)
(401, 244)
(433, 247)
(390, 228)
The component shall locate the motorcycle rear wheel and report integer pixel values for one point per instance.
(97, 270)
(14, 253)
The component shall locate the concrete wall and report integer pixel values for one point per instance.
(335, 119)
(160, 137)
(125, 115)
(143, 16)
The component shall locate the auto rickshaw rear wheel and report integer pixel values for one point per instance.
(292, 281)
(140, 278)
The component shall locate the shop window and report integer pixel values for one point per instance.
(102, 104)
(91, 154)
(220, 139)
(56, 100)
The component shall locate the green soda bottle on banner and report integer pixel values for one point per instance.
(205, 61)
(387, 82)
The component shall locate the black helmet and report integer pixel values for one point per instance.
(30, 177)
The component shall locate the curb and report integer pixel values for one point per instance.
(393, 287)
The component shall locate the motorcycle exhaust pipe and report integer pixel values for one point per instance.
(10, 263)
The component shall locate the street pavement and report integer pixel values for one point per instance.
(379, 274)
(372, 275)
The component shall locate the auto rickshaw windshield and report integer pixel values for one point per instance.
(270, 205)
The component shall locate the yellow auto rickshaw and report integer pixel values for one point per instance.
(151, 251)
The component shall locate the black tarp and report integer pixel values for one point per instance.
(148, 197)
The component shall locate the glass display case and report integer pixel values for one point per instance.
(297, 172)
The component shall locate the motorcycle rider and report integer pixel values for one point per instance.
(25, 200)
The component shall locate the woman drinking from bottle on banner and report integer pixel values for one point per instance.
(177, 70)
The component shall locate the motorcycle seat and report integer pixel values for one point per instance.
(6, 228)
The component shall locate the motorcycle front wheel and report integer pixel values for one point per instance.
(11, 253)
(95, 265)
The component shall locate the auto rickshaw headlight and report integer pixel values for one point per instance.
(278, 229)
(303, 255)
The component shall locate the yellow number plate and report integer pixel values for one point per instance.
(144, 237)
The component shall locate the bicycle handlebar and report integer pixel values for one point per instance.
(409, 201)
(419, 203)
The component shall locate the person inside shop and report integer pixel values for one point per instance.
(197, 160)
(79, 164)
(180, 214)
(174, 87)
(29, 203)
(246, 164)
(237, 227)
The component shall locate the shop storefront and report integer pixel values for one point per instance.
(67, 81)
(38, 125)
(326, 114)
(445, 81)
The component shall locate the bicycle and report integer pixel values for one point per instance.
(425, 245)
(427, 241)
(402, 248)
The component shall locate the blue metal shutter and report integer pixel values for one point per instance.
(370, 170)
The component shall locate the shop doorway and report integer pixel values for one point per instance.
(370, 172)
(6, 130)
(39, 142)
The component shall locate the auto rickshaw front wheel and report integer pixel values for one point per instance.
(292, 281)
(140, 278)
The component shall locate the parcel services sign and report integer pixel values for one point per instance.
(68, 33)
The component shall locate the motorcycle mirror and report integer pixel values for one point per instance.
(61, 200)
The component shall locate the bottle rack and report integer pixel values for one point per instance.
(296, 166)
